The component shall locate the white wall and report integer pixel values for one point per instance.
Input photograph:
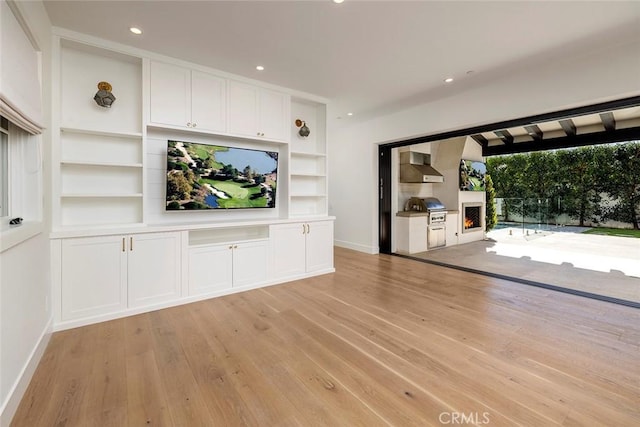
(25, 284)
(24, 317)
(603, 75)
(446, 159)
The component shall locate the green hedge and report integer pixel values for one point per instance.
(590, 184)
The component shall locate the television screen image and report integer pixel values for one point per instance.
(472, 175)
(201, 177)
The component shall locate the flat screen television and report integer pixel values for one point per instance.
(202, 176)
(472, 175)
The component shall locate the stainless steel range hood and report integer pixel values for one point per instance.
(415, 167)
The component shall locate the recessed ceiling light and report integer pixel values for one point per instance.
(448, 80)
(349, 114)
(338, 1)
(135, 30)
(260, 68)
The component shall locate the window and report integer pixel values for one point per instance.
(4, 167)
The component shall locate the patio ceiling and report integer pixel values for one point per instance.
(589, 128)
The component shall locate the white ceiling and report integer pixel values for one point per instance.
(367, 57)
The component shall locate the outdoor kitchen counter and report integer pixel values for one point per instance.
(411, 228)
(410, 214)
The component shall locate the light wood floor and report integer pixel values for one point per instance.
(383, 341)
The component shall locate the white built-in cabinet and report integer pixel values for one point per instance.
(217, 267)
(108, 274)
(153, 268)
(258, 112)
(186, 98)
(223, 258)
(115, 251)
(452, 228)
(300, 248)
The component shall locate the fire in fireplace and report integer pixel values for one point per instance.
(472, 218)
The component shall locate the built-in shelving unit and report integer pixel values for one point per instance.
(308, 161)
(100, 150)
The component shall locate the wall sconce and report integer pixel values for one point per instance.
(304, 129)
(104, 97)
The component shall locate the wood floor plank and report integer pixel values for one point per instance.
(34, 410)
(325, 388)
(384, 341)
(146, 398)
(213, 370)
(185, 403)
(105, 398)
(453, 386)
(253, 394)
(273, 362)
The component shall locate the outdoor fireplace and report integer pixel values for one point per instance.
(472, 217)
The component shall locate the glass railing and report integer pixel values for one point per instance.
(528, 214)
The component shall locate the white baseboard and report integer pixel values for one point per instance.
(10, 405)
(356, 247)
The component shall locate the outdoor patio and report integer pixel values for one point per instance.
(561, 257)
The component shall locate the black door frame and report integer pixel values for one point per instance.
(384, 154)
(384, 198)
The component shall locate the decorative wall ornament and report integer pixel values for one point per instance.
(104, 97)
(304, 129)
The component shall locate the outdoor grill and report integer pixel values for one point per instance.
(436, 219)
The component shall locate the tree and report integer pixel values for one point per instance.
(178, 187)
(229, 170)
(247, 172)
(576, 183)
(620, 179)
(491, 215)
(510, 181)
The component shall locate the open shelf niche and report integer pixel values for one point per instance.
(308, 160)
(100, 150)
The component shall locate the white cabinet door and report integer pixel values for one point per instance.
(210, 269)
(288, 249)
(153, 268)
(319, 246)
(273, 114)
(243, 109)
(249, 263)
(208, 102)
(170, 94)
(94, 276)
(258, 113)
(452, 229)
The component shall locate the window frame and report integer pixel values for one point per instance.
(5, 187)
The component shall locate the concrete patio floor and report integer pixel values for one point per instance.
(603, 265)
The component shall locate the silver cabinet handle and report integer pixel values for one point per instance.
(123, 249)
(131, 243)
(308, 229)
